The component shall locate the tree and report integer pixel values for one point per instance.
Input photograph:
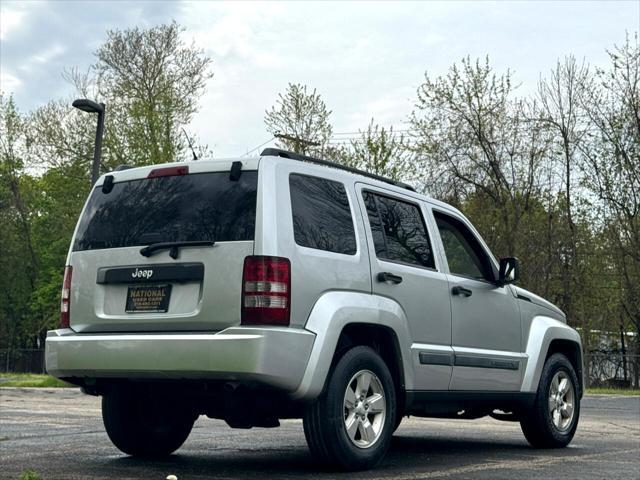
(18, 261)
(300, 120)
(560, 98)
(612, 165)
(62, 136)
(380, 151)
(151, 82)
(13, 146)
(473, 137)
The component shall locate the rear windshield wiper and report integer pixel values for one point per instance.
(173, 247)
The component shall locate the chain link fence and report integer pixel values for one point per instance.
(602, 369)
(22, 360)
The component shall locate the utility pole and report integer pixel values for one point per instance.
(623, 349)
(300, 143)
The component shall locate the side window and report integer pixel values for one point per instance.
(464, 253)
(321, 214)
(398, 229)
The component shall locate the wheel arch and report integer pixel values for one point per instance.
(384, 341)
(340, 319)
(546, 337)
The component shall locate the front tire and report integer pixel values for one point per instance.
(349, 426)
(142, 424)
(553, 418)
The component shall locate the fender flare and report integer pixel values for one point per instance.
(330, 314)
(542, 332)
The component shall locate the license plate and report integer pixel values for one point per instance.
(148, 299)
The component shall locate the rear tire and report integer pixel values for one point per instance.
(349, 426)
(141, 424)
(553, 419)
(398, 421)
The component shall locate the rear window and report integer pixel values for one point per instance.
(321, 214)
(201, 206)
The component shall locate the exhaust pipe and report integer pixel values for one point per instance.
(92, 107)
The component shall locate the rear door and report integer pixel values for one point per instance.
(115, 287)
(404, 268)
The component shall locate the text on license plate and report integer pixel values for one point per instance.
(148, 299)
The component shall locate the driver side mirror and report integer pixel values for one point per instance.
(509, 270)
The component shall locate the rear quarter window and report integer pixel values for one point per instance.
(321, 214)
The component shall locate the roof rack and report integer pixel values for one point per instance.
(276, 152)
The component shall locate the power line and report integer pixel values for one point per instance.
(343, 138)
(256, 148)
(406, 130)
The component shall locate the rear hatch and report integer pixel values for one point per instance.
(162, 249)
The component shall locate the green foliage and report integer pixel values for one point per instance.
(151, 82)
(18, 260)
(613, 391)
(29, 475)
(611, 164)
(552, 179)
(379, 151)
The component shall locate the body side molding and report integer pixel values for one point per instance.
(485, 362)
(430, 358)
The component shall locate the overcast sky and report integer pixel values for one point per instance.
(365, 59)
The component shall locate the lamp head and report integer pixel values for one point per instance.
(88, 105)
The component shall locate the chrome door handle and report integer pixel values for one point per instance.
(458, 290)
(389, 277)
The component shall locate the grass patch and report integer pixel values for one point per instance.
(31, 380)
(29, 475)
(613, 391)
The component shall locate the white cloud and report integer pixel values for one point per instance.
(47, 54)
(366, 59)
(389, 109)
(10, 19)
(228, 30)
(9, 83)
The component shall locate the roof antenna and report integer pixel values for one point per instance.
(195, 157)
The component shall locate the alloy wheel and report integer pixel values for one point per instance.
(364, 409)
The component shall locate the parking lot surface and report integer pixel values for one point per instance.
(58, 433)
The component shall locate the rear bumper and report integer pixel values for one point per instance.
(275, 357)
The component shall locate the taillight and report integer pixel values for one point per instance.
(266, 291)
(65, 301)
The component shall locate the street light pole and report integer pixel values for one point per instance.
(93, 107)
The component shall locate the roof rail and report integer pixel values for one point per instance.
(276, 152)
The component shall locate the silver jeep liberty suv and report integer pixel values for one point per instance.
(290, 287)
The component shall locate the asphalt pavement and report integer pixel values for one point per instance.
(58, 433)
